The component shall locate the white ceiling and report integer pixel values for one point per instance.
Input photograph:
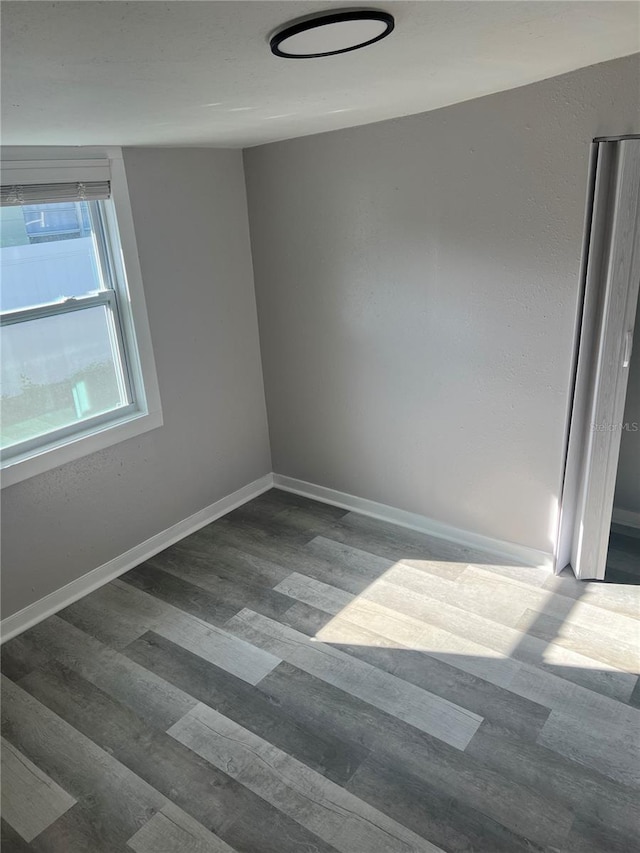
(201, 73)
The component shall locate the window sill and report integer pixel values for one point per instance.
(113, 432)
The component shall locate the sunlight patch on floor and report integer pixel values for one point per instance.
(378, 615)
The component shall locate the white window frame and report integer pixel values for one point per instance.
(146, 412)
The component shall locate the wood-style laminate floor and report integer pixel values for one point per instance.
(294, 678)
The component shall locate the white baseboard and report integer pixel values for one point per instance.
(626, 518)
(496, 547)
(50, 604)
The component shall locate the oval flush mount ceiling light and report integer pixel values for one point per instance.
(330, 33)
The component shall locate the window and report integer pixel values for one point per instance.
(72, 370)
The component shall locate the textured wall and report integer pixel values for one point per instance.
(417, 285)
(189, 209)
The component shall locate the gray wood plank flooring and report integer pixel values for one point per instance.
(30, 800)
(295, 678)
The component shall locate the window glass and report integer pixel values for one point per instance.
(64, 358)
(58, 371)
(48, 252)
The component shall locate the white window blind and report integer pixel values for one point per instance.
(20, 194)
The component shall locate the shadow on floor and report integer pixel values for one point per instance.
(623, 556)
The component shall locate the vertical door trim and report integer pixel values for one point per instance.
(576, 408)
(611, 295)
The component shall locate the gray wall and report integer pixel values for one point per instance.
(417, 285)
(627, 495)
(190, 215)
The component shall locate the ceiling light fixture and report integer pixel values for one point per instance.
(331, 33)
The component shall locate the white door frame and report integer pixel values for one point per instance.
(611, 262)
